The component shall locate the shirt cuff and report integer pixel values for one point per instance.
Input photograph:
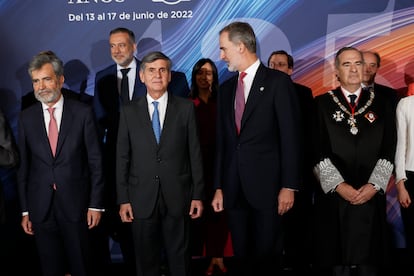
(96, 209)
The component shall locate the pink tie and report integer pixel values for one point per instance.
(53, 131)
(240, 102)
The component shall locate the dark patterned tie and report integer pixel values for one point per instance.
(125, 85)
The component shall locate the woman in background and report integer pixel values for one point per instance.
(210, 231)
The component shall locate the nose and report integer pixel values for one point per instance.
(157, 73)
(222, 56)
(354, 68)
(41, 84)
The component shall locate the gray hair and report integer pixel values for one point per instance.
(153, 56)
(241, 32)
(43, 58)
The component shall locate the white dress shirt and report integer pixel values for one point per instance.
(132, 75)
(248, 79)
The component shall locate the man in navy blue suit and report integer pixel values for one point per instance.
(257, 164)
(107, 101)
(297, 234)
(60, 187)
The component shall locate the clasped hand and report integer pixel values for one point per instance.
(356, 197)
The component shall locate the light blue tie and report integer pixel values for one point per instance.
(156, 122)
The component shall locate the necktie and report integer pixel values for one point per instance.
(53, 131)
(156, 122)
(125, 85)
(240, 101)
(352, 98)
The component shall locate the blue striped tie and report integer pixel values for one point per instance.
(156, 122)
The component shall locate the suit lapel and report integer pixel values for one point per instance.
(39, 123)
(142, 114)
(256, 91)
(171, 109)
(139, 87)
(65, 125)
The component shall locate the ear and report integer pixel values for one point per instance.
(337, 74)
(62, 80)
(241, 47)
(141, 76)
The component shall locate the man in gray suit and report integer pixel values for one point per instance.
(159, 179)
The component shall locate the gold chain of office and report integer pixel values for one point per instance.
(351, 120)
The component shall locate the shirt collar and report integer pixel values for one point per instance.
(252, 69)
(347, 93)
(161, 100)
(132, 65)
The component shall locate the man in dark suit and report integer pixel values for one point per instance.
(106, 104)
(298, 222)
(60, 185)
(372, 62)
(257, 164)
(159, 177)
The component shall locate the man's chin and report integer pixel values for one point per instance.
(231, 69)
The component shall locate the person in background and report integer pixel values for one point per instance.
(372, 63)
(60, 184)
(404, 170)
(298, 222)
(211, 230)
(106, 102)
(257, 160)
(9, 158)
(354, 141)
(160, 184)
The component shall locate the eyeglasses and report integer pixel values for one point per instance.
(277, 65)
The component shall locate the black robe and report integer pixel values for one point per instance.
(353, 234)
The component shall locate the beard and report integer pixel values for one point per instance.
(231, 68)
(47, 95)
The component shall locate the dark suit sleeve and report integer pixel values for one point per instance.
(94, 153)
(122, 160)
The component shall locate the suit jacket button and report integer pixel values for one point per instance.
(158, 160)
